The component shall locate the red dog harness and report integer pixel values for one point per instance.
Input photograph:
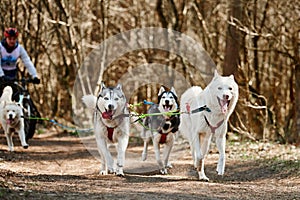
(110, 133)
(163, 137)
(213, 128)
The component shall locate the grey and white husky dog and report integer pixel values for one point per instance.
(111, 125)
(161, 128)
(11, 117)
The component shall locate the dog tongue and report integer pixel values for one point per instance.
(8, 121)
(224, 105)
(107, 115)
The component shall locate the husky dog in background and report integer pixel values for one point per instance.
(161, 128)
(220, 97)
(111, 125)
(11, 116)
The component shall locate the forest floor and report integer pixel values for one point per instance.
(58, 166)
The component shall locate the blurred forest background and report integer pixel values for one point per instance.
(256, 40)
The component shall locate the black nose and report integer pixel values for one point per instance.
(110, 107)
(10, 116)
(167, 102)
(225, 96)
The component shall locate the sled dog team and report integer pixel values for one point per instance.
(204, 114)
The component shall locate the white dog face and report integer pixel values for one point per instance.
(226, 90)
(110, 100)
(167, 100)
(11, 113)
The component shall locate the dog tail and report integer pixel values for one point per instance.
(90, 101)
(7, 94)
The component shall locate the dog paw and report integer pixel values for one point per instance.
(11, 149)
(25, 146)
(203, 178)
(111, 171)
(169, 165)
(120, 174)
(103, 172)
(163, 171)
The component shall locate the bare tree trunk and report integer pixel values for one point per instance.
(231, 60)
(297, 106)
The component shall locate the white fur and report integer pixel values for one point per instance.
(90, 101)
(120, 124)
(194, 126)
(11, 117)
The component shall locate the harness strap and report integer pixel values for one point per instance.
(213, 128)
(110, 132)
(203, 108)
(163, 137)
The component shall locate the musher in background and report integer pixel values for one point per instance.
(10, 52)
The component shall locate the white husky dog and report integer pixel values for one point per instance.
(111, 125)
(162, 128)
(219, 98)
(12, 120)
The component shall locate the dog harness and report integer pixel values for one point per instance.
(213, 128)
(163, 137)
(110, 132)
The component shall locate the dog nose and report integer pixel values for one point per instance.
(167, 102)
(110, 107)
(225, 96)
(10, 116)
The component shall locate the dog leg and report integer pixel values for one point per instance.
(122, 145)
(106, 158)
(22, 138)
(205, 142)
(156, 147)
(193, 153)
(103, 168)
(145, 150)
(9, 141)
(199, 154)
(221, 143)
(201, 173)
(167, 151)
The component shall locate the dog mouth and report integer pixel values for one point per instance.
(9, 121)
(108, 114)
(224, 103)
(167, 107)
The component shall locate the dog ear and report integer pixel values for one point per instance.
(216, 74)
(173, 90)
(161, 90)
(102, 85)
(231, 77)
(119, 87)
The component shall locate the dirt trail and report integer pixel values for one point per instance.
(58, 166)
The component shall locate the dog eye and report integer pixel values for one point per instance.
(230, 88)
(106, 98)
(219, 88)
(116, 99)
(171, 97)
